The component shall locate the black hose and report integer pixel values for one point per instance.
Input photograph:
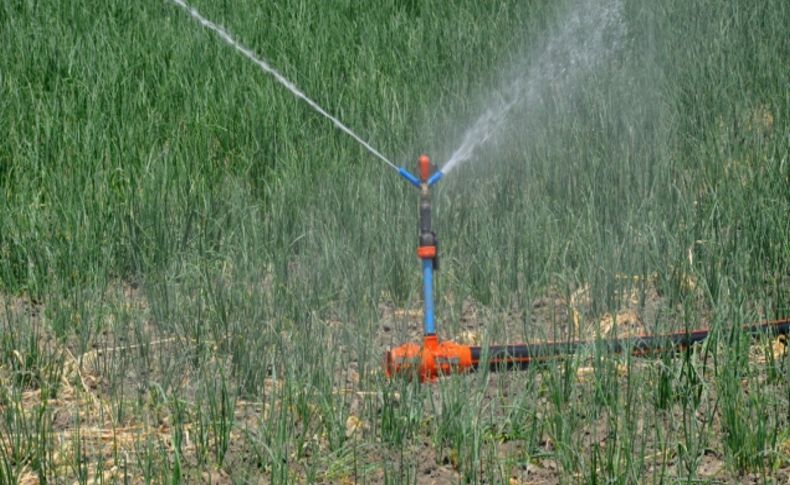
(521, 356)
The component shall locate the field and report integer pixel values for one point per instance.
(199, 275)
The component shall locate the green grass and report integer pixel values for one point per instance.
(196, 270)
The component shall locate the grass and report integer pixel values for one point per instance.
(199, 275)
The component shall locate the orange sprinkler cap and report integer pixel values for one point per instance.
(426, 252)
(425, 168)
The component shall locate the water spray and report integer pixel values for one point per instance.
(265, 67)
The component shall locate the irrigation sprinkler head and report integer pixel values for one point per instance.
(429, 173)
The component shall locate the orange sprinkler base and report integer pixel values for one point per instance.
(429, 361)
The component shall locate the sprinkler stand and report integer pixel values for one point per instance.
(433, 358)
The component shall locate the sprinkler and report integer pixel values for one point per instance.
(436, 358)
(433, 358)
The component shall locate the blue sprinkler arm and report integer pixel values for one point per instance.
(435, 178)
(409, 176)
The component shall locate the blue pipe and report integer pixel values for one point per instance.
(427, 289)
(408, 176)
(435, 178)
